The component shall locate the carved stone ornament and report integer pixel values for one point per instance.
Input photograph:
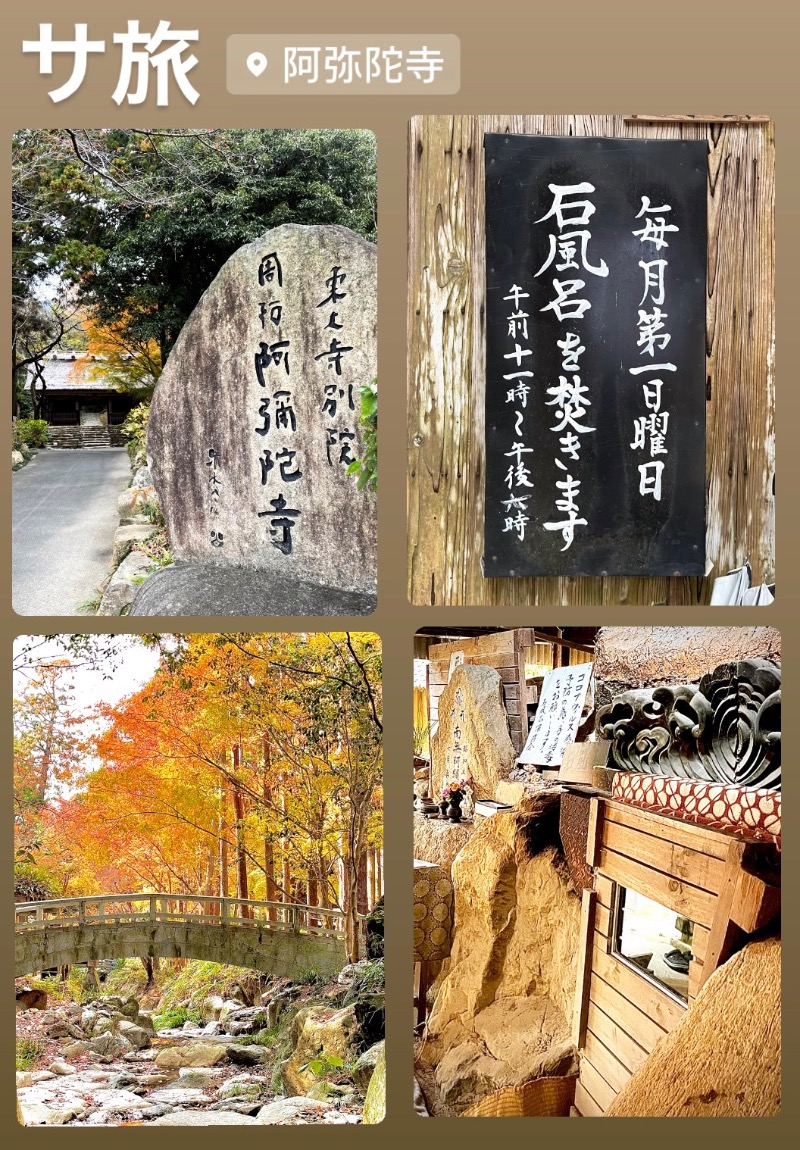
(724, 729)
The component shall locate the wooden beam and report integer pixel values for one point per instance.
(724, 932)
(696, 838)
(624, 1046)
(585, 1104)
(606, 1062)
(593, 1081)
(664, 855)
(646, 1031)
(699, 119)
(676, 894)
(656, 1003)
(585, 944)
(595, 824)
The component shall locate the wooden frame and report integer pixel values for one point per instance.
(724, 885)
(446, 359)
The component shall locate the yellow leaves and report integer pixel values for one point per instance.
(257, 748)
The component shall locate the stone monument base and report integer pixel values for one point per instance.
(211, 589)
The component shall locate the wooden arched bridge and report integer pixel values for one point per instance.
(282, 939)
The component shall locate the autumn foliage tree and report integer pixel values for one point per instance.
(249, 767)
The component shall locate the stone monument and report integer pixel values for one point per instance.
(472, 741)
(253, 427)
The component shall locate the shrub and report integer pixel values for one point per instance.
(175, 1016)
(28, 1050)
(366, 468)
(134, 429)
(34, 432)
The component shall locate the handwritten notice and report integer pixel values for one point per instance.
(558, 715)
(595, 356)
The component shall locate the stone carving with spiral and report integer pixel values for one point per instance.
(725, 729)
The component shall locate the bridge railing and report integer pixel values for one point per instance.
(194, 908)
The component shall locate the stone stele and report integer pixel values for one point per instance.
(255, 418)
(472, 741)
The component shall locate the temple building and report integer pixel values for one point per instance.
(82, 411)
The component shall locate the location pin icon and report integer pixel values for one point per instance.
(256, 63)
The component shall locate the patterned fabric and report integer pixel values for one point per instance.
(433, 912)
(748, 813)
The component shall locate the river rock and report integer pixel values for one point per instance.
(121, 1101)
(178, 1095)
(138, 1037)
(211, 1007)
(108, 1046)
(200, 1077)
(246, 1055)
(111, 1002)
(243, 1086)
(205, 1118)
(375, 1102)
(472, 741)
(193, 1054)
(291, 1111)
(36, 1113)
(248, 1020)
(74, 1049)
(366, 1063)
(229, 1006)
(254, 421)
(317, 1032)
(58, 1029)
(59, 1067)
(239, 1106)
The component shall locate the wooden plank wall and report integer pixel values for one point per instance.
(446, 367)
(625, 1015)
(505, 652)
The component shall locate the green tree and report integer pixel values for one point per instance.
(140, 221)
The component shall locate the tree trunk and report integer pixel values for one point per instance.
(242, 889)
(223, 844)
(148, 964)
(286, 876)
(352, 940)
(270, 888)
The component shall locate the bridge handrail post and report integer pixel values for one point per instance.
(81, 911)
(224, 908)
(153, 907)
(294, 918)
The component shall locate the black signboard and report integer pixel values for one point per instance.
(595, 356)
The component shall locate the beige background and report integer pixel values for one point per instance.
(583, 57)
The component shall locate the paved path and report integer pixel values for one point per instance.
(64, 519)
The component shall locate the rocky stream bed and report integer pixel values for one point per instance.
(287, 1060)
